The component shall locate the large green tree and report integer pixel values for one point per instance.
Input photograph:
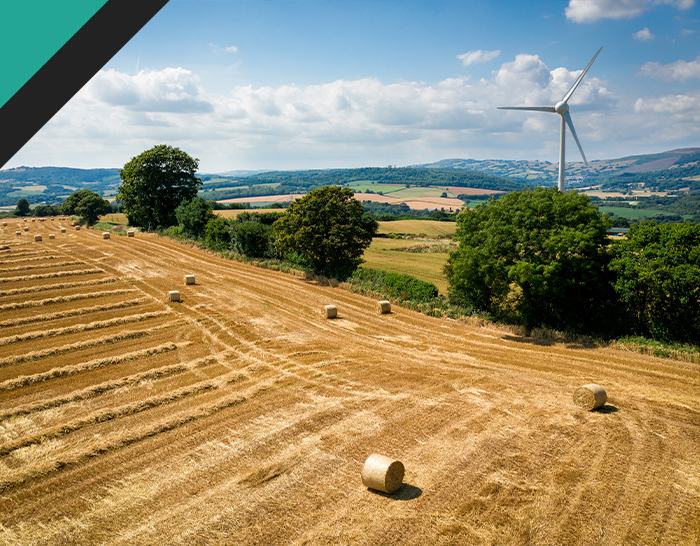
(192, 216)
(658, 280)
(538, 257)
(328, 229)
(23, 207)
(154, 183)
(91, 207)
(71, 202)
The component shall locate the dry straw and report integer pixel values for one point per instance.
(382, 473)
(590, 397)
(173, 295)
(189, 279)
(37, 237)
(105, 235)
(331, 311)
(384, 307)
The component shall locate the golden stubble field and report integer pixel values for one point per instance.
(242, 416)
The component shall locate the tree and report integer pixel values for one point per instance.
(328, 229)
(154, 183)
(192, 216)
(23, 208)
(658, 280)
(91, 207)
(71, 202)
(46, 210)
(538, 257)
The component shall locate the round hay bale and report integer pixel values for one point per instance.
(384, 307)
(25, 219)
(52, 236)
(33, 219)
(382, 473)
(63, 230)
(37, 237)
(331, 311)
(4, 224)
(189, 279)
(26, 228)
(590, 397)
(105, 235)
(130, 233)
(173, 295)
(18, 233)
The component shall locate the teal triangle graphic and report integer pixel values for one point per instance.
(31, 32)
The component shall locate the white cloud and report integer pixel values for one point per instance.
(679, 70)
(589, 11)
(643, 35)
(351, 122)
(231, 49)
(478, 56)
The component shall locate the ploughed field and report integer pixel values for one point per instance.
(241, 415)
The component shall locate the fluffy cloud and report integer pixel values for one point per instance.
(588, 11)
(643, 35)
(349, 122)
(478, 56)
(678, 70)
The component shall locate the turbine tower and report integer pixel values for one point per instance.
(561, 108)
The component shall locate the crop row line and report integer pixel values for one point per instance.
(65, 299)
(31, 258)
(72, 312)
(39, 266)
(52, 275)
(60, 286)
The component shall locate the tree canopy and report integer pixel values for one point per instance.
(154, 183)
(91, 207)
(23, 208)
(538, 257)
(328, 230)
(658, 280)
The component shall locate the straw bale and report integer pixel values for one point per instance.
(173, 295)
(384, 307)
(4, 224)
(105, 234)
(382, 473)
(25, 219)
(590, 397)
(26, 228)
(33, 219)
(18, 233)
(37, 237)
(331, 311)
(63, 230)
(77, 228)
(189, 279)
(52, 236)
(130, 233)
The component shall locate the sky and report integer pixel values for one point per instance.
(315, 84)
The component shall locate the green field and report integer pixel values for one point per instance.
(630, 213)
(428, 228)
(364, 185)
(420, 192)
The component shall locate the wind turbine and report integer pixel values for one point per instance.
(561, 108)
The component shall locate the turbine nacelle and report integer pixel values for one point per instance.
(561, 107)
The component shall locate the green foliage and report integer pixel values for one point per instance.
(658, 280)
(23, 208)
(536, 257)
(192, 216)
(252, 238)
(91, 207)
(395, 285)
(329, 229)
(46, 210)
(216, 235)
(71, 202)
(154, 183)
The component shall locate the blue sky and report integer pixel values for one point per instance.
(302, 84)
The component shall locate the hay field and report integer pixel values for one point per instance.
(242, 416)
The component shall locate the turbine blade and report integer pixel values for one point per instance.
(567, 118)
(532, 108)
(578, 80)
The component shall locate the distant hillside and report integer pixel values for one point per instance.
(666, 166)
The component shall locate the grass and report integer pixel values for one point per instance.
(630, 213)
(428, 228)
(420, 192)
(364, 185)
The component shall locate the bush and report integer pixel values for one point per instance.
(252, 238)
(395, 285)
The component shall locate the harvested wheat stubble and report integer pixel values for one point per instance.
(382, 473)
(105, 235)
(65, 299)
(189, 279)
(590, 396)
(173, 295)
(70, 313)
(331, 311)
(52, 275)
(37, 238)
(58, 286)
(384, 307)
